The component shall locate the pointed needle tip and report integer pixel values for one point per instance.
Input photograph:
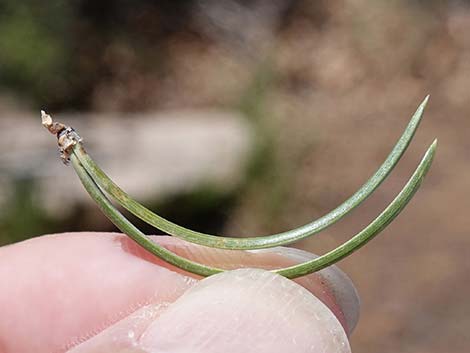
(432, 149)
(425, 100)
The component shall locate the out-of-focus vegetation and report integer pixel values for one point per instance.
(34, 48)
(325, 86)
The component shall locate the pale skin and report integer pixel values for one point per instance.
(100, 292)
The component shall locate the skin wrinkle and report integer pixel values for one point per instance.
(127, 332)
(100, 328)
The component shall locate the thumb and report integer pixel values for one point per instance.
(241, 310)
(246, 310)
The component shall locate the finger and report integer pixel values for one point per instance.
(52, 275)
(331, 285)
(58, 291)
(134, 334)
(246, 310)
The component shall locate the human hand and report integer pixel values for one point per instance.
(101, 292)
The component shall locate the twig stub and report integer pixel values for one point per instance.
(67, 137)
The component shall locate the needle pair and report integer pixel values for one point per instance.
(100, 187)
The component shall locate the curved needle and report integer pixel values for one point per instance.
(373, 229)
(356, 242)
(262, 241)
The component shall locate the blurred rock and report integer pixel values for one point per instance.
(149, 155)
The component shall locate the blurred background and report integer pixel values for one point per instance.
(246, 118)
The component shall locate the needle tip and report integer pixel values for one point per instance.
(425, 101)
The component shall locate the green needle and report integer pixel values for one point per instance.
(288, 237)
(96, 183)
(342, 251)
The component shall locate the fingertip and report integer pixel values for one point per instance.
(246, 310)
